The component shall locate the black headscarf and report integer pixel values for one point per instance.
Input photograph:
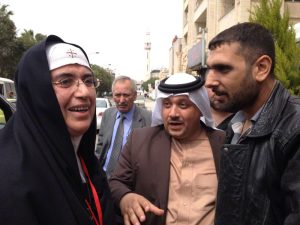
(39, 177)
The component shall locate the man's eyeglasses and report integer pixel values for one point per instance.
(70, 82)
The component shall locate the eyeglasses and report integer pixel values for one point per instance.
(70, 82)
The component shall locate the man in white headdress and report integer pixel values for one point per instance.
(167, 173)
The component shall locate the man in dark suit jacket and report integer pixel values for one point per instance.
(167, 174)
(124, 94)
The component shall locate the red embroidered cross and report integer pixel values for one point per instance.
(71, 53)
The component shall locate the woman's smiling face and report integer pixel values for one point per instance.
(77, 103)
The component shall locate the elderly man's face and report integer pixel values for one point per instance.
(124, 95)
(181, 117)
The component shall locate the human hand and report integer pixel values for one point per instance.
(134, 206)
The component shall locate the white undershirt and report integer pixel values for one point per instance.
(76, 142)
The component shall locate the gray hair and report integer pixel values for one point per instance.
(122, 79)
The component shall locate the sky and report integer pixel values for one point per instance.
(114, 28)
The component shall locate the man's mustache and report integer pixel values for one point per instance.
(122, 104)
(218, 92)
(175, 120)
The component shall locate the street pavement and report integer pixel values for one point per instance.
(149, 103)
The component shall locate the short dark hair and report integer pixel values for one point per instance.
(255, 40)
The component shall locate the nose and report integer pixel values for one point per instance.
(79, 81)
(173, 111)
(82, 90)
(211, 79)
(122, 98)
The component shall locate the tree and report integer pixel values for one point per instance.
(8, 44)
(11, 46)
(105, 78)
(151, 81)
(28, 39)
(287, 67)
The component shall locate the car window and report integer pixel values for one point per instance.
(1, 89)
(6, 111)
(101, 103)
(10, 90)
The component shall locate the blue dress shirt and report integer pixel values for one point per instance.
(127, 129)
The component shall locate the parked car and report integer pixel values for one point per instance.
(7, 89)
(101, 105)
(140, 101)
(6, 110)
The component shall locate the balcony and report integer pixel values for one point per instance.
(200, 11)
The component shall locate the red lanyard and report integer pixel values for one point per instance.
(95, 197)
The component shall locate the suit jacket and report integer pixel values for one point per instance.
(141, 118)
(144, 167)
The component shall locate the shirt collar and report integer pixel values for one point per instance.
(128, 115)
(240, 116)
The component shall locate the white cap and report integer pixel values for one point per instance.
(61, 54)
(180, 78)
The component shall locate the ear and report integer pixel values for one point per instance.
(262, 68)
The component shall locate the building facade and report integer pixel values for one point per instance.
(297, 29)
(203, 19)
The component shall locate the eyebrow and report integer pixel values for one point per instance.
(179, 99)
(219, 66)
(67, 75)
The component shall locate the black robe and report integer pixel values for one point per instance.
(39, 176)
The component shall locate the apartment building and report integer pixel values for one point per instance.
(203, 19)
(297, 29)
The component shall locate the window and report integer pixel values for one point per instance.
(101, 103)
(226, 6)
(1, 89)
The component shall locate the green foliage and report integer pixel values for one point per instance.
(11, 46)
(106, 79)
(7, 43)
(39, 37)
(151, 81)
(287, 67)
(28, 39)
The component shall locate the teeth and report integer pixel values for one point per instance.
(79, 109)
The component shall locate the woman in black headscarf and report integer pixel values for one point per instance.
(48, 172)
